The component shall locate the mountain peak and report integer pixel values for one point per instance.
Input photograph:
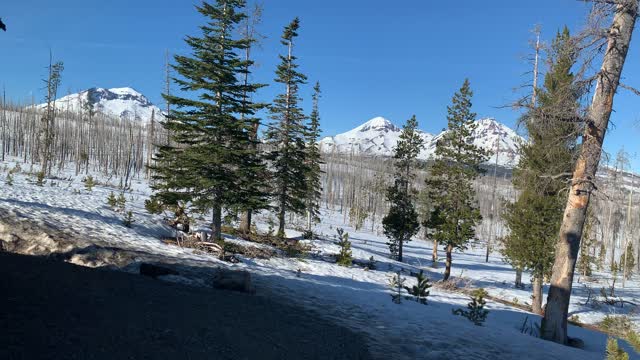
(377, 123)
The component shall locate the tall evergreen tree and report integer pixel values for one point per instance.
(314, 160)
(209, 154)
(534, 219)
(457, 164)
(286, 136)
(255, 176)
(401, 223)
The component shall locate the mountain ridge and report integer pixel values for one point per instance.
(122, 102)
(379, 136)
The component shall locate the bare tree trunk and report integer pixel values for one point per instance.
(281, 215)
(216, 222)
(554, 324)
(434, 253)
(536, 301)
(518, 278)
(447, 269)
(245, 222)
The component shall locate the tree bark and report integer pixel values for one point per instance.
(536, 301)
(519, 278)
(447, 269)
(281, 216)
(216, 222)
(554, 323)
(434, 253)
(245, 222)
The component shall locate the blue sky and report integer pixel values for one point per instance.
(372, 57)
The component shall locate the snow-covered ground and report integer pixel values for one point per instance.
(354, 297)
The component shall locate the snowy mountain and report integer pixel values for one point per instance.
(379, 136)
(124, 103)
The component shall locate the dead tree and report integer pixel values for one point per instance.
(554, 324)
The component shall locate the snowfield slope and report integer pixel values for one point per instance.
(123, 103)
(352, 296)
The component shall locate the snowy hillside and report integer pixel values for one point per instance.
(124, 103)
(356, 297)
(379, 136)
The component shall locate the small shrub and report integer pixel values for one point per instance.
(295, 249)
(396, 283)
(476, 312)
(121, 201)
(618, 326)
(9, 179)
(371, 265)
(614, 352)
(153, 206)
(89, 183)
(633, 338)
(344, 257)
(271, 223)
(111, 200)
(40, 178)
(128, 219)
(575, 319)
(308, 235)
(421, 290)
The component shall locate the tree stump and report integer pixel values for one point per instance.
(234, 280)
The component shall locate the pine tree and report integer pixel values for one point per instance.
(401, 223)
(421, 289)
(476, 312)
(627, 261)
(209, 154)
(534, 219)
(449, 183)
(344, 258)
(314, 160)
(286, 136)
(614, 352)
(254, 174)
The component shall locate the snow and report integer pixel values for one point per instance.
(354, 297)
(379, 137)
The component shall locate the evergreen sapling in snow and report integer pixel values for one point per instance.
(421, 290)
(344, 257)
(476, 312)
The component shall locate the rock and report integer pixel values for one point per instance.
(235, 280)
(575, 342)
(154, 271)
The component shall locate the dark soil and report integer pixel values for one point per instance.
(55, 310)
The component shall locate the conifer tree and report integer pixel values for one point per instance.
(449, 183)
(314, 160)
(534, 219)
(286, 136)
(209, 154)
(255, 176)
(401, 223)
